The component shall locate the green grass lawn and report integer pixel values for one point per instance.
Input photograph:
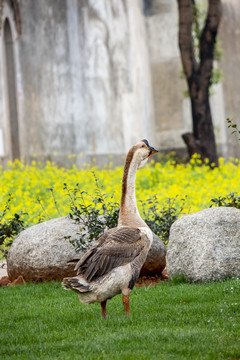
(169, 321)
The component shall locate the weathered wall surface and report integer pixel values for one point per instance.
(93, 77)
(1, 107)
(168, 87)
(84, 78)
(230, 64)
(7, 13)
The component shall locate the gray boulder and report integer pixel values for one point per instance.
(205, 246)
(41, 252)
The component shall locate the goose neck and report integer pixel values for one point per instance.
(129, 214)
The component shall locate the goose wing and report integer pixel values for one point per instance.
(116, 247)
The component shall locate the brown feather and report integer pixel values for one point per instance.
(90, 251)
(115, 248)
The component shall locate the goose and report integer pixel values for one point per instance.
(113, 264)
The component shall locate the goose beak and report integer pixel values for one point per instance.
(152, 151)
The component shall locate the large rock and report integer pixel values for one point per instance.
(41, 252)
(205, 246)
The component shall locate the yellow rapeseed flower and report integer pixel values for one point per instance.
(38, 188)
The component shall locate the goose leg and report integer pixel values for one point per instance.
(125, 299)
(104, 308)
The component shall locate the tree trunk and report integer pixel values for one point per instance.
(203, 131)
(198, 76)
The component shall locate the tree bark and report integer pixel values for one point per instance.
(198, 76)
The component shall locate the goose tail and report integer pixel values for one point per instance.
(76, 284)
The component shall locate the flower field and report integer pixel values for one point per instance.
(38, 189)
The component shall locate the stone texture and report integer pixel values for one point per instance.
(205, 246)
(41, 252)
(156, 259)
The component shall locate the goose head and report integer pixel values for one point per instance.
(142, 152)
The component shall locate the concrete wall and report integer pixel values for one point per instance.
(93, 77)
(83, 77)
(230, 64)
(6, 105)
(168, 86)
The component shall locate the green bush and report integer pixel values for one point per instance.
(230, 200)
(96, 216)
(9, 227)
(161, 219)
